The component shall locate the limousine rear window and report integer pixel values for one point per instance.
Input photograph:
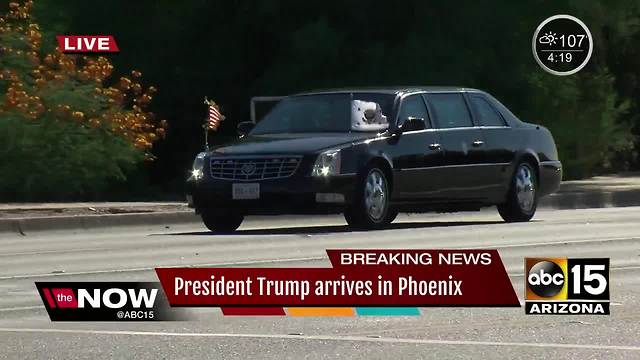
(487, 115)
(509, 117)
(450, 110)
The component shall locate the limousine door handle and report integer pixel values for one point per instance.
(434, 147)
(477, 143)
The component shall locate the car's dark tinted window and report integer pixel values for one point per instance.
(450, 110)
(413, 106)
(487, 115)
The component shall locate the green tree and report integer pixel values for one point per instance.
(584, 114)
(64, 133)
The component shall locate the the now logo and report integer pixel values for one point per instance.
(96, 298)
(105, 301)
(116, 298)
(87, 43)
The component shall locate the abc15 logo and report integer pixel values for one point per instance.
(566, 278)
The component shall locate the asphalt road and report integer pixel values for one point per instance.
(130, 254)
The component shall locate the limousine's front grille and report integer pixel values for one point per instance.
(251, 169)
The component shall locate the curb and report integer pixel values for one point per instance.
(22, 226)
(590, 200)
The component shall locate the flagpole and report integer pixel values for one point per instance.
(206, 138)
(206, 128)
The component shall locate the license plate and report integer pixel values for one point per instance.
(245, 191)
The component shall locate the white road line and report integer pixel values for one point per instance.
(64, 251)
(546, 243)
(115, 271)
(312, 258)
(328, 338)
(20, 308)
(247, 262)
(630, 267)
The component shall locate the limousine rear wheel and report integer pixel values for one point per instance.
(522, 198)
(370, 209)
(221, 223)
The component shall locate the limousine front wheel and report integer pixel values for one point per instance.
(370, 209)
(522, 199)
(221, 223)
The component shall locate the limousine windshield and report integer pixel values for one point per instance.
(317, 113)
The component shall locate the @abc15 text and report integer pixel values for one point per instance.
(567, 286)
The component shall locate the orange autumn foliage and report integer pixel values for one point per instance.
(72, 88)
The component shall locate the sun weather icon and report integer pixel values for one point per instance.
(548, 38)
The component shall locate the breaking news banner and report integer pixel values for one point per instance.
(567, 286)
(357, 278)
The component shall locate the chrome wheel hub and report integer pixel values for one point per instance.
(375, 195)
(525, 188)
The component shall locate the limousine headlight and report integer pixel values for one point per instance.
(198, 166)
(327, 164)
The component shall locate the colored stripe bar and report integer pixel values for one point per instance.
(253, 311)
(388, 311)
(321, 311)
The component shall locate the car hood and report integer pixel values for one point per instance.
(288, 143)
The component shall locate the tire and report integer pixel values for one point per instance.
(370, 208)
(348, 216)
(522, 198)
(222, 223)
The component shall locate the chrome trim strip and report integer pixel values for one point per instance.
(249, 156)
(494, 127)
(552, 163)
(387, 136)
(453, 166)
(419, 131)
(458, 128)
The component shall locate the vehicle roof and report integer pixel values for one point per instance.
(394, 90)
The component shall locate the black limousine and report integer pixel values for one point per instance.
(371, 153)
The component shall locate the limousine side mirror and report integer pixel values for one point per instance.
(245, 127)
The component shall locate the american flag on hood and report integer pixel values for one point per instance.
(215, 117)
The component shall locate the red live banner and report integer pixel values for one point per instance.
(357, 278)
(87, 43)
